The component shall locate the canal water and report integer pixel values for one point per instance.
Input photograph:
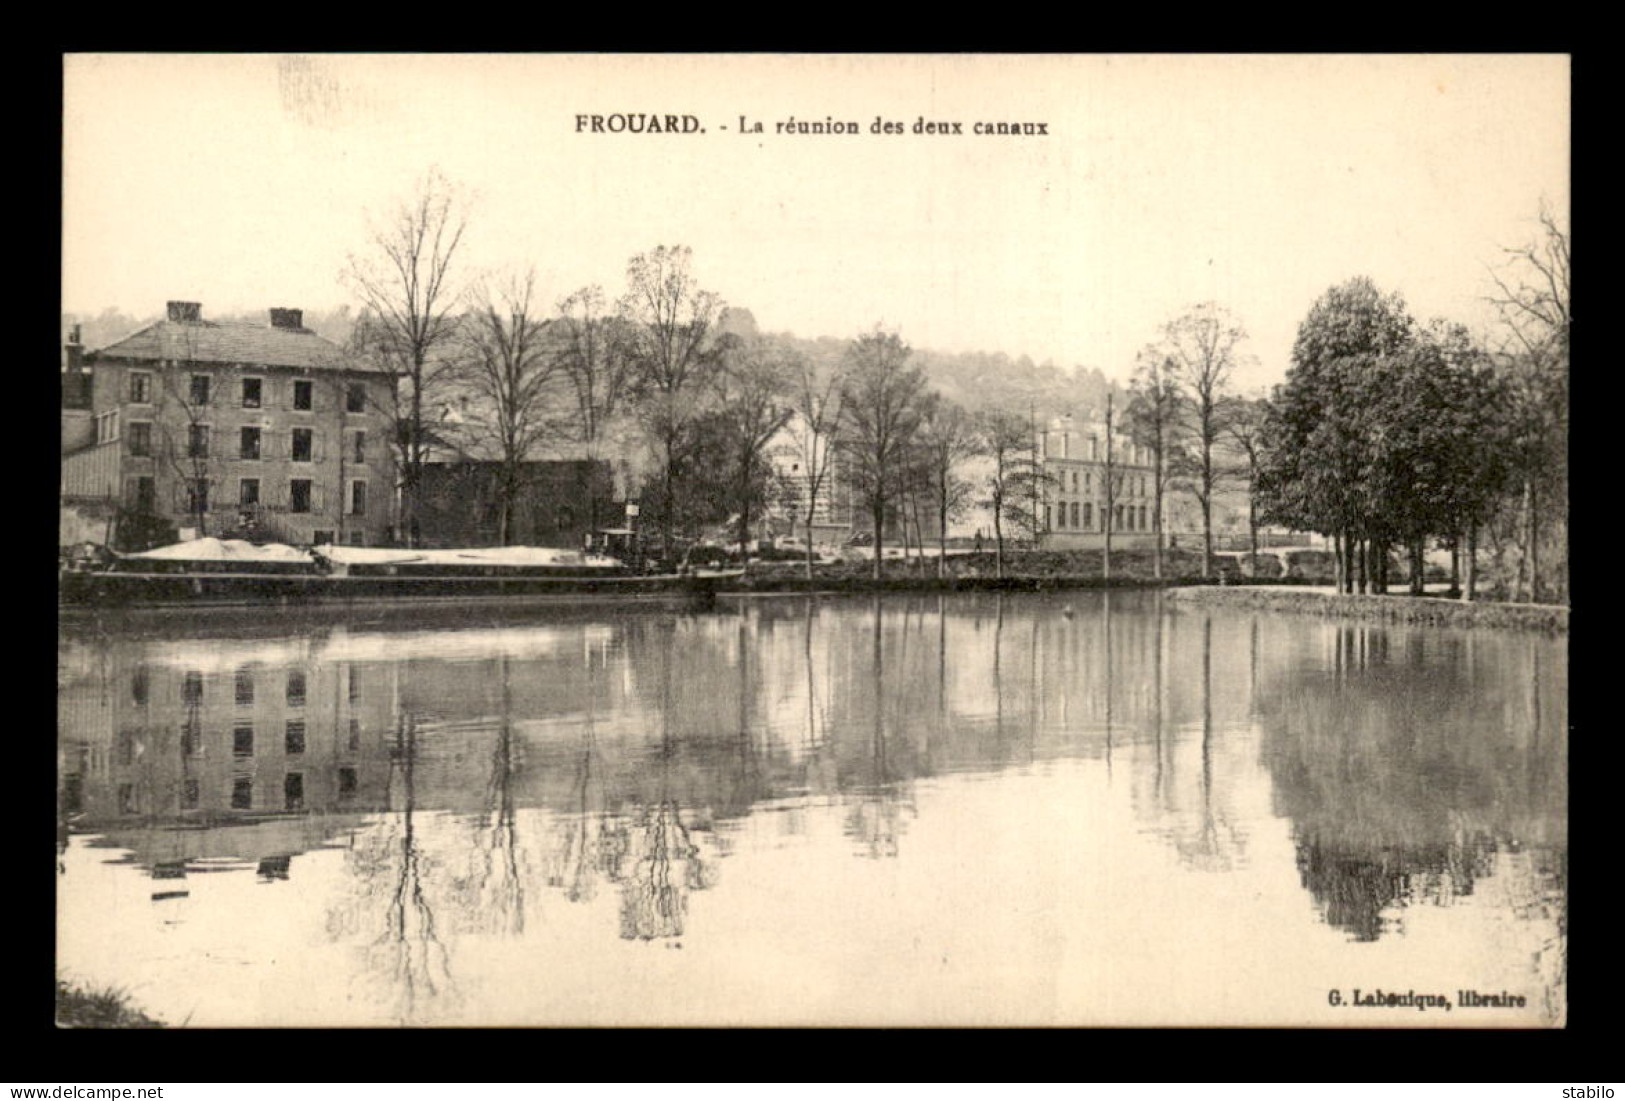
(1082, 808)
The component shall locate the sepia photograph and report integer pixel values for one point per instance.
(820, 540)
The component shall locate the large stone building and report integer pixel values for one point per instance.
(192, 427)
(1075, 489)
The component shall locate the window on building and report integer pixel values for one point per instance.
(299, 495)
(244, 688)
(346, 781)
(190, 795)
(1047, 523)
(295, 739)
(139, 684)
(1088, 516)
(251, 393)
(358, 498)
(191, 737)
(197, 496)
(140, 388)
(107, 427)
(126, 798)
(302, 393)
(200, 389)
(296, 688)
(248, 492)
(354, 684)
(304, 445)
(360, 447)
(249, 443)
(355, 398)
(354, 744)
(140, 438)
(141, 493)
(242, 740)
(293, 791)
(197, 441)
(322, 537)
(1075, 514)
(242, 793)
(1142, 518)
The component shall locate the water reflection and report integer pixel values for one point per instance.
(469, 781)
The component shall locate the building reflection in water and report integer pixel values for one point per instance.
(469, 776)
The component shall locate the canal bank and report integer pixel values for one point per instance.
(1551, 618)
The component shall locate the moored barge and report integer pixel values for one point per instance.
(235, 573)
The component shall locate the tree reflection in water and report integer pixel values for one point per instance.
(1405, 788)
(874, 818)
(656, 860)
(388, 862)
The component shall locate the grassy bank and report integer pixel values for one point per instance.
(1551, 618)
(85, 1007)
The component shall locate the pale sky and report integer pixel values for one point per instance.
(242, 182)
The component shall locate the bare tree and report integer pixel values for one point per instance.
(1244, 424)
(404, 281)
(754, 388)
(1110, 485)
(1203, 344)
(948, 438)
(597, 369)
(673, 357)
(187, 444)
(1154, 420)
(815, 426)
(512, 375)
(880, 396)
(1532, 299)
(1007, 439)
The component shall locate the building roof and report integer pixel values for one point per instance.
(230, 342)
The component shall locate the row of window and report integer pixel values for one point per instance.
(251, 394)
(1133, 486)
(304, 495)
(242, 739)
(302, 442)
(1124, 517)
(242, 792)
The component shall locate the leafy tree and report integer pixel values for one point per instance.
(673, 360)
(881, 399)
(754, 391)
(1319, 431)
(1014, 476)
(1155, 420)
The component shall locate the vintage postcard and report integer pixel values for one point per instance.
(832, 540)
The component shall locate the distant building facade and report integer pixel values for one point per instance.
(1074, 495)
(210, 428)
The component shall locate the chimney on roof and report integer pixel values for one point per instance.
(283, 318)
(75, 350)
(186, 311)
